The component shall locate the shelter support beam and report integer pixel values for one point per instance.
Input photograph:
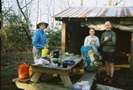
(63, 41)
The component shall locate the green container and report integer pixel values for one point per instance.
(59, 61)
(66, 53)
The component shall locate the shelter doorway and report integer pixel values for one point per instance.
(76, 35)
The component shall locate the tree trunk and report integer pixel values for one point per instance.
(109, 2)
(26, 19)
(131, 58)
(81, 3)
(0, 26)
(37, 13)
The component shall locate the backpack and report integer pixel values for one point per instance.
(90, 57)
(23, 71)
(84, 52)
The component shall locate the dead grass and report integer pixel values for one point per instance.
(10, 63)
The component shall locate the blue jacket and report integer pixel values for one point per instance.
(39, 39)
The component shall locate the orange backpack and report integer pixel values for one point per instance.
(23, 71)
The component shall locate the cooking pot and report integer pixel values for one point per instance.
(56, 54)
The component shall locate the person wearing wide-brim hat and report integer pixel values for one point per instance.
(39, 39)
(38, 25)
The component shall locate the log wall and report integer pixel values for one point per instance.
(131, 58)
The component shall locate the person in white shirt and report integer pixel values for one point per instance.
(93, 41)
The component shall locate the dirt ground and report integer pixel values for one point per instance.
(9, 86)
(121, 79)
(10, 62)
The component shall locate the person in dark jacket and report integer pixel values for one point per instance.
(108, 42)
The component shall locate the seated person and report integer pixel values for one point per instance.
(93, 41)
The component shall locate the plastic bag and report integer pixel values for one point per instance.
(83, 85)
(76, 86)
(41, 62)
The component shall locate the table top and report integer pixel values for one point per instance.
(48, 68)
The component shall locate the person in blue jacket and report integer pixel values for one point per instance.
(39, 40)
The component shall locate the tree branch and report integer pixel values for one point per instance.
(26, 32)
(28, 35)
(117, 2)
(27, 4)
(21, 10)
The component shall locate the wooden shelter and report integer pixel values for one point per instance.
(76, 22)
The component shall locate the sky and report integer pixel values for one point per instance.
(48, 8)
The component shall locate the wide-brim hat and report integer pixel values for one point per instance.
(38, 25)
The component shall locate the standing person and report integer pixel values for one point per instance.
(39, 40)
(108, 42)
(93, 41)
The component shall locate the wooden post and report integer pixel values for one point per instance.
(66, 81)
(63, 37)
(35, 77)
(131, 55)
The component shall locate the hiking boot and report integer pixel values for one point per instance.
(106, 79)
(110, 81)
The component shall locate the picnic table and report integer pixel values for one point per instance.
(33, 83)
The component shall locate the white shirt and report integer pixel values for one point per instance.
(88, 40)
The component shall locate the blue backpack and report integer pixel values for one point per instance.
(84, 52)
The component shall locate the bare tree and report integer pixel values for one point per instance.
(81, 2)
(124, 3)
(109, 2)
(26, 18)
(117, 2)
(114, 2)
(37, 16)
(68, 2)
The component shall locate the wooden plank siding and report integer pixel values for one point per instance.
(131, 56)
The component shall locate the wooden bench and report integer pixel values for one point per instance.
(87, 76)
(104, 87)
(21, 80)
(90, 77)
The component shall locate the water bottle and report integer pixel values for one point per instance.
(59, 61)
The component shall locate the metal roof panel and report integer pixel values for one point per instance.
(94, 12)
(86, 12)
(111, 12)
(131, 10)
